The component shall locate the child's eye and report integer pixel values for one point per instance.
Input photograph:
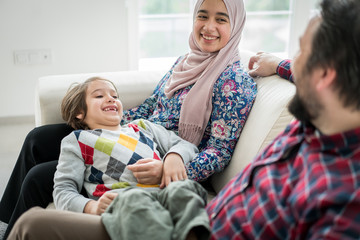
(116, 97)
(99, 96)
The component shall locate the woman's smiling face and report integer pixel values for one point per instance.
(212, 28)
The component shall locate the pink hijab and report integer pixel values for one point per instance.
(204, 69)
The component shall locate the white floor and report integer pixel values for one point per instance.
(12, 137)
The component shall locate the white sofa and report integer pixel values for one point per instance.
(268, 116)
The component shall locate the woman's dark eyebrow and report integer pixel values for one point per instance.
(223, 14)
(218, 13)
(202, 11)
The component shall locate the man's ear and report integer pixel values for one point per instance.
(326, 78)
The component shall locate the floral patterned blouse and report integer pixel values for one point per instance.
(233, 97)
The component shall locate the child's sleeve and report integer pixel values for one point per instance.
(169, 142)
(69, 177)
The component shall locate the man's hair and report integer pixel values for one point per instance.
(74, 103)
(336, 44)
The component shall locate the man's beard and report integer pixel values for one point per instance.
(304, 110)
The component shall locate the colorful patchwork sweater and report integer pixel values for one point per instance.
(97, 160)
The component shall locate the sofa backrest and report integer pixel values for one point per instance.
(133, 87)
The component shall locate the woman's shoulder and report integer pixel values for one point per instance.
(178, 60)
(236, 73)
(233, 82)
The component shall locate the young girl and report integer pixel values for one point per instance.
(206, 97)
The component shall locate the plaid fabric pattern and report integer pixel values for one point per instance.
(113, 151)
(304, 185)
(284, 70)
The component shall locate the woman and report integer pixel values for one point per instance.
(205, 97)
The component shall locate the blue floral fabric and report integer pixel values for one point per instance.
(233, 97)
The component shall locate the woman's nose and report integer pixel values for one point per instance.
(209, 25)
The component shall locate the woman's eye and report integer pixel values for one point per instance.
(222, 20)
(202, 17)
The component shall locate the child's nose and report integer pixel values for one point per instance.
(111, 99)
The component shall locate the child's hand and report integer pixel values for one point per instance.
(98, 207)
(147, 171)
(174, 169)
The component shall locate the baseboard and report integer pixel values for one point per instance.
(28, 119)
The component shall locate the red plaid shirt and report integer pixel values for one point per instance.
(284, 71)
(304, 185)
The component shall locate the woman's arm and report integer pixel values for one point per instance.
(234, 95)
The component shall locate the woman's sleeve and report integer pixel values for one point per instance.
(69, 177)
(234, 95)
(169, 142)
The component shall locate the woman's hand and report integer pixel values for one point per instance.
(263, 64)
(98, 207)
(147, 171)
(174, 169)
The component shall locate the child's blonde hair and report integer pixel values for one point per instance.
(74, 103)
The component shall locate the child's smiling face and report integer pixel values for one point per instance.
(104, 109)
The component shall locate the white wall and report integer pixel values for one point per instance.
(83, 36)
(301, 13)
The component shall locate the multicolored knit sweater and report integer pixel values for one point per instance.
(97, 160)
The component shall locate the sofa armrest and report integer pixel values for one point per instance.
(133, 87)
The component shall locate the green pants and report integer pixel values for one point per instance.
(169, 213)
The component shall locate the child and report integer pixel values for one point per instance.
(96, 155)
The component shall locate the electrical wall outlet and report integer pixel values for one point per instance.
(32, 57)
